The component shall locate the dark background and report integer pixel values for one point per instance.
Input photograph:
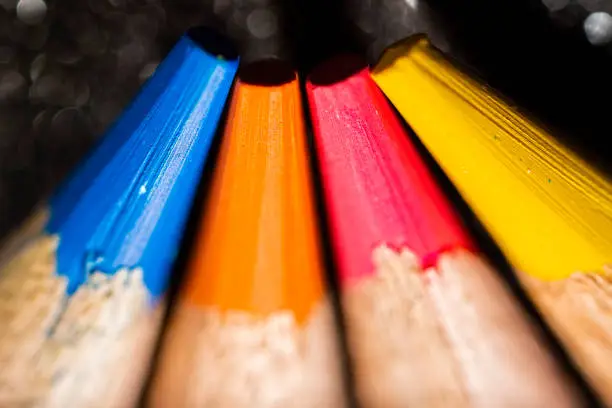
(546, 67)
(539, 60)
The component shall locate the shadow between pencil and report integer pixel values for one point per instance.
(329, 261)
(187, 243)
(268, 72)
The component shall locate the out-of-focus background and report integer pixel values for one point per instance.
(68, 67)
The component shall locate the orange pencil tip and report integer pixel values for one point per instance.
(257, 250)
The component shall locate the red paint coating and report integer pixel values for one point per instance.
(376, 186)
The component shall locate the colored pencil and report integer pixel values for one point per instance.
(253, 327)
(82, 290)
(430, 323)
(548, 210)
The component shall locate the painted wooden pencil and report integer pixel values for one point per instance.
(82, 284)
(549, 211)
(430, 323)
(253, 327)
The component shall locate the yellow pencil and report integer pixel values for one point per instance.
(548, 210)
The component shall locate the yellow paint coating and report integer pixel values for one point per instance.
(549, 211)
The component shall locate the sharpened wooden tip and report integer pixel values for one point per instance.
(579, 308)
(59, 351)
(548, 210)
(503, 357)
(376, 185)
(401, 355)
(234, 359)
(449, 336)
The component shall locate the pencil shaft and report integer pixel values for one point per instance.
(501, 355)
(401, 354)
(58, 350)
(253, 326)
(579, 309)
(549, 211)
(83, 284)
(148, 167)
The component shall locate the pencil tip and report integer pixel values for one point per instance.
(128, 201)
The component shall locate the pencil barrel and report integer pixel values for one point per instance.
(547, 209)
(253, 325)
(501, 354)
(148, 167)
(83, 284)
(58, 350)
(578, 309)
(400, 353)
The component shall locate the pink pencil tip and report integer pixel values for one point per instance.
(377, 188)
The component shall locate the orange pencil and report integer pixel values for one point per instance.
(253, 327)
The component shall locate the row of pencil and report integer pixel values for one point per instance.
(429, 319)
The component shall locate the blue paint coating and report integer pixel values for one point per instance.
(126, 205)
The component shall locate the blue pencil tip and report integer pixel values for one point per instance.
(126, 205)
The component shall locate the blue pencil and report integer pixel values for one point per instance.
(82, 284)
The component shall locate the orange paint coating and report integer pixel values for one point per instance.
(257, 249)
